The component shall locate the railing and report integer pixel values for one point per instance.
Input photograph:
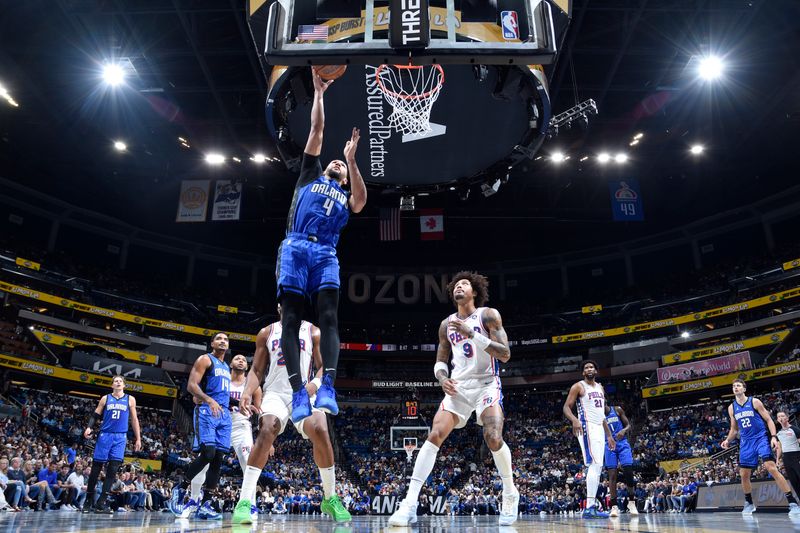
(30, 413)
(181, 417)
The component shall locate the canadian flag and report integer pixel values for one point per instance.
(431, 224)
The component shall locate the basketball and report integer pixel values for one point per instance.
(330, 72)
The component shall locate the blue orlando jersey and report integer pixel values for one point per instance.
(320, 205)
(614, 423)
(751, 425)
(115, 415)
(217, 381)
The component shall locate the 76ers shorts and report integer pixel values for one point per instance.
(621, 456)
(473, 395)
(210, 429)
(593, 443)
(280, 406)
(306, 267)
(751, 450)
(110, 447)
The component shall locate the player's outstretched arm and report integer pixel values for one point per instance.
(358, 190)
(314, 143)
(732, 431)
(137, 433)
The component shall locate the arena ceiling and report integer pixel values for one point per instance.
(193, 74)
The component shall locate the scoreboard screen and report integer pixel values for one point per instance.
(409, 409)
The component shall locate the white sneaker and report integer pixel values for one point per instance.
(748, 509)
(632, 508)
(794, 509)
(190, 509)
(405, 514)
(510, 508)
(614, 511)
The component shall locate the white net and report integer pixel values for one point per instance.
(411, 91)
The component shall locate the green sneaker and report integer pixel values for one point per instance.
(241, 515)
(333, 506)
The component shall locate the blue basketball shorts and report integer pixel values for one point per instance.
(210, 429)
(306, 267)
(110, 447)
(753, 450)
(621, 456)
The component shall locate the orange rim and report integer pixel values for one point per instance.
(410, 96)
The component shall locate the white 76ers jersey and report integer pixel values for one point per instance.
(592, 405)
(469, 361)
(278, 377)
(236, 394)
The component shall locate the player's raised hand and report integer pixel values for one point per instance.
(320, 85)
(351, 145)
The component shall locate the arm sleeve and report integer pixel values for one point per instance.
(310, 169)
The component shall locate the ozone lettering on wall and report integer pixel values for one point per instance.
(388, 289)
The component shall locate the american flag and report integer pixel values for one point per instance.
(312, 33)
(390, 224)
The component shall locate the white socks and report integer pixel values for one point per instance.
(502, 459)
(592, 482)
(328, 477)
(250, 484)
(197, 484)
(426, 458)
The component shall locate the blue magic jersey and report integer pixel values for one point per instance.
(320, 206)
(751, 425)
(217, 381)
(614, 423)
(115, 414)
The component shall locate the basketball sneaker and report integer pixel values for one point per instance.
(189, 509)
(243, 514)
(326, 397)
(592, 512)
(253, 514)
(87, 506)
(614, 511)
(333, 507)
(405, 514)
(632, 508)
(103, 510)
(510, 508)
(794, 509)
(749, 509)
(301, 405)
(206, 512)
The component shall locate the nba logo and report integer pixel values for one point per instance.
(510, 24)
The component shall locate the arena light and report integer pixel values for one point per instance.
(120, 146)
(633, 142)
(620, 158)
(258, 158)
(638, 136)
(584, 158)
(697, 149)
(557, 157)
(215, 158)
(710, 68)
(236, 159)
(604, 157)
(113, 74)
(685, 334)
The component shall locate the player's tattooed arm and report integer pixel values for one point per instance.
(498, 348)
(443, 353)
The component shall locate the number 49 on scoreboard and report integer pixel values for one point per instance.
(626, 201)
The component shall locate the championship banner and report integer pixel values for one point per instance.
(626, 200)
(589, 309)
(678, 464)
(69, 342)
(788, 265)
(782, 369)
(703, 369)
(746, 344)
(193, 201)
(88, 378)
(27, 263)
(683, 319)
(148, 465)
(228, 309)
(766, 494)
(227, 200)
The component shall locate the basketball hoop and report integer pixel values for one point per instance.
(409, 445)
(411, 91)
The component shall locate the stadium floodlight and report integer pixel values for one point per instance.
(638, 136)
(215, 158)
(113, 74)
(120, 146)
(258, 158)
(620, 158)
(710, 68)
(685, 334)
(697, 149)
(557, 157)
(604, 157)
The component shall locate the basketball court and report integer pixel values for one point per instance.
(54, 522)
